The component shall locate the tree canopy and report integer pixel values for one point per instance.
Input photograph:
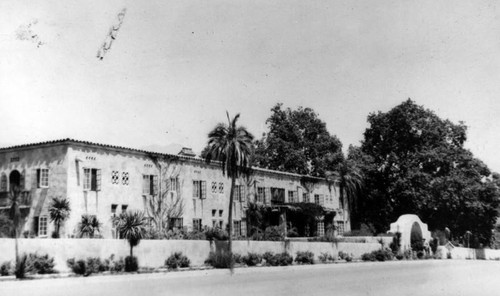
(297, 142)
(415, 162)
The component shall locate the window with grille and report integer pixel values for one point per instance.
(261, 194)
(291, 196)
(197, 225)
(91, 179)
(340, 227)
(221, 187)
(321, 229)
(316, 199)
(115, 177)
(149, 184)
(125, 178)
(42, 226)
(305, 197)
(214, 187)
(199, 189)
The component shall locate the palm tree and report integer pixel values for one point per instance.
(232, 146)
(88, 226)
(59, 211)
(132, 227)
(349, 179)
(15, 216)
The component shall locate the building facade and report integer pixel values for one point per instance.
(105, 180)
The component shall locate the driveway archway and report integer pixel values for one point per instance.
(412, 229)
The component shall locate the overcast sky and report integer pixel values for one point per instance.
(177, 66)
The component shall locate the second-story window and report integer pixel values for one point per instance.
(149, 184)
(199, 189)
(291, 196)
(261, 194)
(42, 178)
(91, 179)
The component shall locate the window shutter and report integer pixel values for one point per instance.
(203, 189)
(37, 180)
(155, 185)
(98, 180)
(267, 197)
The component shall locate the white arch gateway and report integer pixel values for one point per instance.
(407, 225)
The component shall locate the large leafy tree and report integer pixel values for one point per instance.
(59, 211)
(415, 162)
(232, 145)
(297, 142)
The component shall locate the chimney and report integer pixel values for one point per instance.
(185, 151)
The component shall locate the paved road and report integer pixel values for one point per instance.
(445, 277)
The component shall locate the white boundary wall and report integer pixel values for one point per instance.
(153, 253)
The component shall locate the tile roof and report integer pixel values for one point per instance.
(197, 159)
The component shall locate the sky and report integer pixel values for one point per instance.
(176, 67)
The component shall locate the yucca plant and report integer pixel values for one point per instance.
(132, 227)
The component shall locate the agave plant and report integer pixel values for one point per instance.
(89, 226)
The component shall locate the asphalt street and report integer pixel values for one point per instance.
(432, 277)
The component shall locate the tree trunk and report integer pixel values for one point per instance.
(230, 216)
(16, 246)
(131, 254)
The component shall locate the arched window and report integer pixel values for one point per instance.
(3, 183)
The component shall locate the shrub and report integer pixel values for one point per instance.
(378, 255)
(195, 235)
(219, 260)
(252, 259)
(396, 243)
(131, 264)
(368, 257)
(116, 266)
(237, 258)
(41, 264)
(177, 260)
(280, 259)
(399, 256)
(274, 233)
(306, 257)
(94, 265)
(284, 259)
(215, 233)
(21, 267)
(345, 256)
(78, 267)
(270, 258)
(292, 232)
(5, 268)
